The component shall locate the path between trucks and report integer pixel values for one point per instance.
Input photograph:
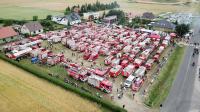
(131, 104)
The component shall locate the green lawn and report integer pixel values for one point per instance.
(161, 88)
(25, 13)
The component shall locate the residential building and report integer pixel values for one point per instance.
(60, 20)
(110, 19)
(32, 28)
(163, 25)
(72, 18)
(8, 34)
(89, 15)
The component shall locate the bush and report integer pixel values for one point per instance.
(44, 75)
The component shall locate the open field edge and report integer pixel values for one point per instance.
(43, 75)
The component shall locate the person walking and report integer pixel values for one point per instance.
(123, 106)
(133, 95)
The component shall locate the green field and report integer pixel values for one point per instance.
(161, 88)
(15, 12)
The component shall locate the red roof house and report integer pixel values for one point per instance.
(6, 32)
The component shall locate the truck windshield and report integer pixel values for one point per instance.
(127, 82)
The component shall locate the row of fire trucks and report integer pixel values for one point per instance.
(94, 77)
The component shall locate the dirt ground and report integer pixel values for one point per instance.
(78, 58)
(22, 92)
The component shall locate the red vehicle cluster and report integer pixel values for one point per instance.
(127, 52)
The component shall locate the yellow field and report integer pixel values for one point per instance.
(25, 9)
(22, 92)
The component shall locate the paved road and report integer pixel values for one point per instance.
(184, 87)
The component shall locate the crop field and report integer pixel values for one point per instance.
(22, 92)
(25, 9)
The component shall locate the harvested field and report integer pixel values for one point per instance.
(22, 92)
(24, 8)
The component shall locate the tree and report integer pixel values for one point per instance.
(176, 22)
(182, 29)
(7, 22)
(48, 25)
(120, 14)
(35, 18)
(122, 21)
(67, 11)
(48, 17)
(68, 8)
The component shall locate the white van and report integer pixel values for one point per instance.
(129, 81)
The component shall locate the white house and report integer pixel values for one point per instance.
(32, 28)
(72, 18)
(60, 20)
(87, 15)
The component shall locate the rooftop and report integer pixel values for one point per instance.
(6, 32)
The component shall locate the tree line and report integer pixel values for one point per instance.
(93, 7)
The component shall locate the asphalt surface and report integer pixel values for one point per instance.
(184, 95)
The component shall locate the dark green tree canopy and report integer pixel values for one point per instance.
(182, 29)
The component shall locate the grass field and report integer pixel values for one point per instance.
(161, 88)
(22, 92)
(25, 9)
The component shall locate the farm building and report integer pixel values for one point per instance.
(8, 34)
(110, 19)
(163, 25)
(148, 15)
(32, 28)
(91, 15)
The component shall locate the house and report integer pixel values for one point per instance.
(32, 28)
(163, 25)
(148, 15)
(93, 15)
(110, 19)
(60, 20)
(72, 18)
(8, 34)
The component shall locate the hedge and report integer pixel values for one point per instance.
(43, 75)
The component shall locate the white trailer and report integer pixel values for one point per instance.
(29, 44)
(140, 72)
(95, 80)
(22, 52)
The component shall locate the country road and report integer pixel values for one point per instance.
(184, 95)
